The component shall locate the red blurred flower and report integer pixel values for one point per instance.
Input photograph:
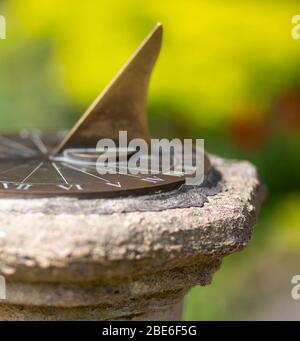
(249, 130)
(288, 109)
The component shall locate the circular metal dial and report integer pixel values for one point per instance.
(26, 169)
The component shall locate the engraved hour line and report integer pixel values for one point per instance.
(90, 174)
(36, 139)
(126, 174)
(16, 167)
(17, 145)
(35, 169)
(147, 179)
(60, 173)
(143, 170)
(7, 150)
(154, 179)
(36, 183)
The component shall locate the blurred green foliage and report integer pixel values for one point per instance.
(229, 72)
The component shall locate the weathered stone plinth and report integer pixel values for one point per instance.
(70, 259)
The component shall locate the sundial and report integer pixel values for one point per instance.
(140, 241)
(60, 164)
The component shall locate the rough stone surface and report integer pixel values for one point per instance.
(65, 258)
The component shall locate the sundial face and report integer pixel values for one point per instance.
(28, 169)
(35, 164)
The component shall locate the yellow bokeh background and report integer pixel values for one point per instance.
(213, 51)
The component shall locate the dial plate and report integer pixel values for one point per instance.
(27, 170)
